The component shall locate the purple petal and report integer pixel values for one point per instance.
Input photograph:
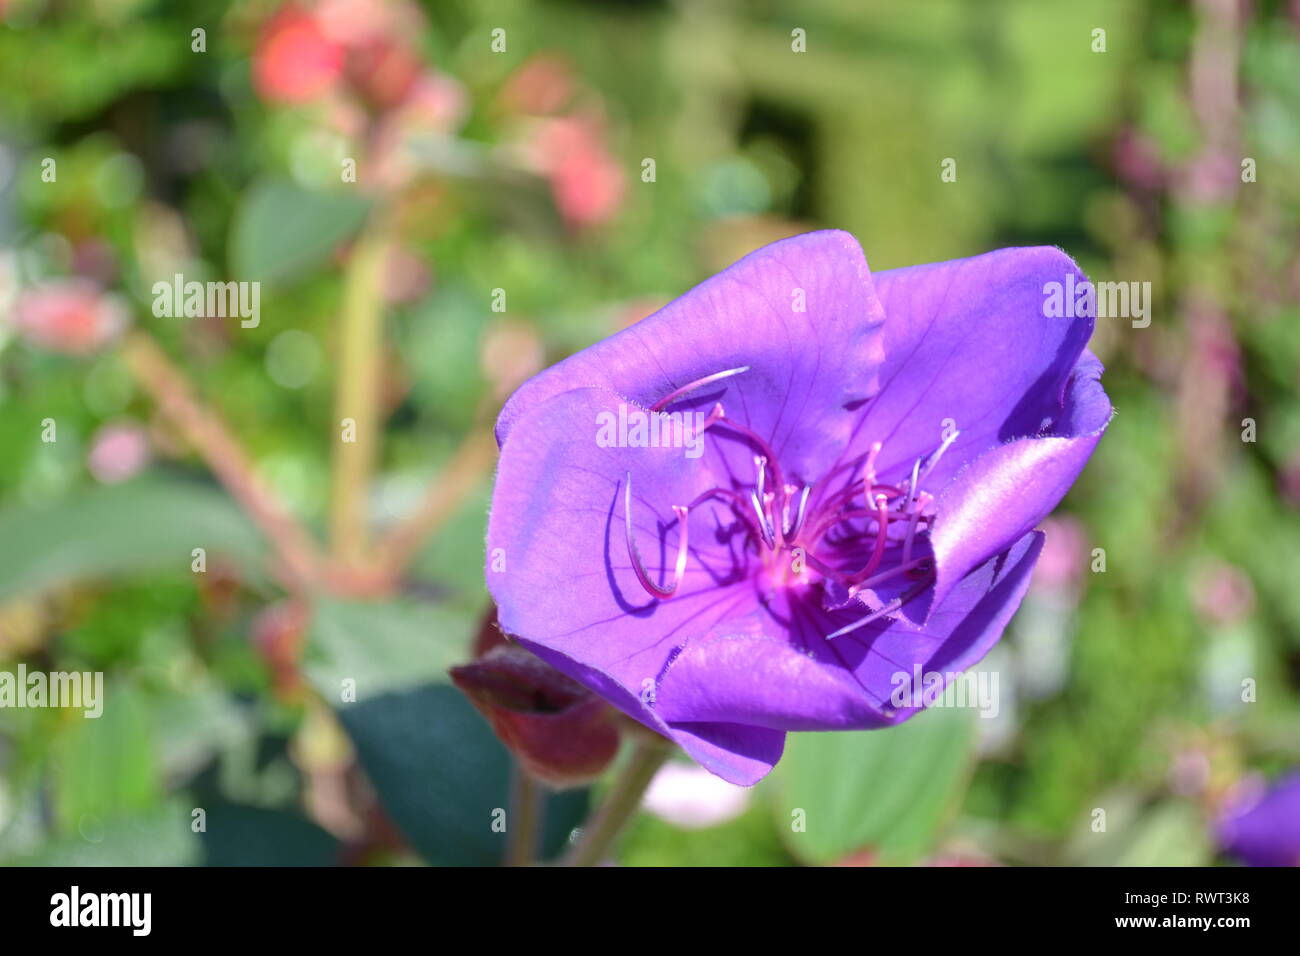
(736, 753)
(805, 367)
(967, 340)
(568, 591)
(1009, 490)
(749, 672)
(1263, 828)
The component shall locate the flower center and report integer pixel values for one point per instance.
(862, 535)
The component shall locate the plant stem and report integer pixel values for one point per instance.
(598, 836)
(207, 433)
(358, 391)
(462, 475)
(527, 805)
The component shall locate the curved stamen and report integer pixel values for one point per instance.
(777, 481)
(828, 572)
(792, 528)
(882, 539)
(774, 520)
(679, 571)
(884, 576)
(698, 383)
(769, 538)
(869, 472)
(919, 503)
(889, 608)
(911, 485)
(738, 503)
(892, 516)
(934, 459)
(845, 495)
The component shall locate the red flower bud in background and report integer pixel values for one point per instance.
(365, 47)
(70, 316)
(279, 632)
(586, 181)
(560, 732)
(384, 72)
(544, 84)
(295, 60)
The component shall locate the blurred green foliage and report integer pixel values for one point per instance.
(168, 161)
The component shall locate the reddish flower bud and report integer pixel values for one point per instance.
(543, 84)
(295, 60)
(383, 72)
(72, 316)
(587, 183)
(279, 632)
(563, 734)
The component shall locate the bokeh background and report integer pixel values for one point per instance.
(1153, 672)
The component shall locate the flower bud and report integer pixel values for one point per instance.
(563, 734)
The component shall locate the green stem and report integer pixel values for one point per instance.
(598, 836)
(360, 345)
(527, 806)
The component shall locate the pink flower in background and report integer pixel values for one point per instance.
(295, 60)
(1137, 160)
(566, 143)
(70, 316)
(383, 71)
(544, 84)
(307, 52)
(118, 451)
(690, 797)
(359, 22)
(1221, 593)
(511, 353)
(436, 102)
(586, 182)
(1060, 567)
(407, 277)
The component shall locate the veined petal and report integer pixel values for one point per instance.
(568, 590)
(737, 753)
(967, 341)
(1008, 490)
(747, 672)
(800, 314)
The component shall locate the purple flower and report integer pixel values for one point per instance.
(1261, 827)
(761, 507)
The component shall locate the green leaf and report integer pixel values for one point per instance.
(282, 231)
(384, 646)
(121, 530)
(105, 767)
(1172, 833)
(237, 835)
(884, 790)
(443, 776)
(160, 838)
